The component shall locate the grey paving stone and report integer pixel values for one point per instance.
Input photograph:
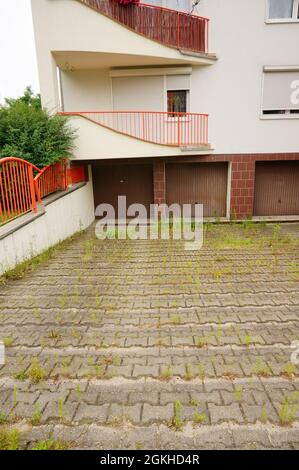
(221, 413)
(157, 413)
(91, 413)
(121, 413)
(251, 437)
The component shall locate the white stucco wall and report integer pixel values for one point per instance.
(230, 91)
(88, 90)
(138, 93)
(63, 218)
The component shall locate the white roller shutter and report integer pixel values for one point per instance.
(281, 90)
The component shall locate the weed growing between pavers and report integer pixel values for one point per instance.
(51, 445)
(9, 439)
(199, 418)
(167, 373)
(177, 422)
(287, 410)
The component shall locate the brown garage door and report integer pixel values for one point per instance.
(204, 183)
(276, 188)
(133, 181)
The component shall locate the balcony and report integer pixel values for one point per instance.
(183, 130)
(172, 28)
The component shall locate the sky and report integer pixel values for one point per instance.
(18, 67)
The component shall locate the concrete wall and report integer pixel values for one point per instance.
(62, 218)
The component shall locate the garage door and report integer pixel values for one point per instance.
(133, 181)
(276, 188)
(204, 183)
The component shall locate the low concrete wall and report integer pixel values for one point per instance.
(61, 218)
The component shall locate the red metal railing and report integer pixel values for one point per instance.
(163, 128)
(17, 192)
(76, 174)
(52, 178)
(170, 27)
(22, 185)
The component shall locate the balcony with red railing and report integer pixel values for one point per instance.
(172, 129)
(172, 28)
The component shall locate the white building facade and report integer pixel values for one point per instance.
(171, 106)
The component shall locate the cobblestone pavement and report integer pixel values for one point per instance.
(140, 344)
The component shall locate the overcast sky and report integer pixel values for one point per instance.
(17, 50)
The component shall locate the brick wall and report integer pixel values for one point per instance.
(242, 187)
(159, 177)
(242, 178)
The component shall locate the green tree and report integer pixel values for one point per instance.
(30, 132)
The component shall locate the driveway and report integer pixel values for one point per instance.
(141, 344)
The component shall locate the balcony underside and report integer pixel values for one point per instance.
(82, 60)
(97, 142)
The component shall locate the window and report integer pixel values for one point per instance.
(283, 9)
(177, 101)
(281, 93)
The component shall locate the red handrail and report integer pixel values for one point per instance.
(17, 192)
(52, 178)
(163, 128)
(20, 190)
(172, 28)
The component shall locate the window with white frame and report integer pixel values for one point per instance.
(283, 9)
(178, 87)
(177, 101)
(281, 93)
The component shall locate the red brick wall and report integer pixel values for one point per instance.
(159, 177)
(242, 178)
(242, 187)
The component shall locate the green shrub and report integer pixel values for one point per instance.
(32, 133)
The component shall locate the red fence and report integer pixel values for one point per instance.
(76, 174)
(22, 185)
(51, 179)
(163, 128)
(17, 192)
(170, 27)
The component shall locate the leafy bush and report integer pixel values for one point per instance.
(30, 132)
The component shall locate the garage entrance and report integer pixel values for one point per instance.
(203, 183)
(133, 181)
(276, 188)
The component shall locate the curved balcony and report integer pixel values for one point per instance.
(172, 28)
(162, 128)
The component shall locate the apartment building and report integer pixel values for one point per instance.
(171, 106)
